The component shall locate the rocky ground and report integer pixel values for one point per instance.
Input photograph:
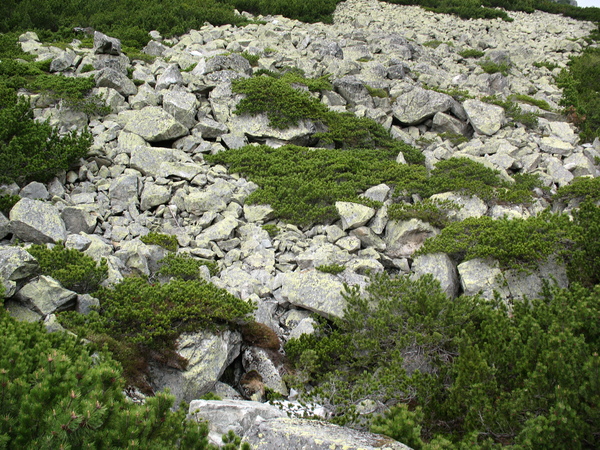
(146, 172)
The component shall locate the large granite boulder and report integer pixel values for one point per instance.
(441, 267)
(46, 296)
(15, 264)
(36, 221)
(419, 105)
(485, 118)
(208, 355)
(154, 124)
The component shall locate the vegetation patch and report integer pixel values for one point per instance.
(471, 53)
(514, 111)
(185, 267)
(542, 104)
(71, 268)
(582, 188)
(55, 394)
(581, 92)
(7, 201)
(463, 373)
(140, 321)
(166, 241)
(434, 212)
(491, 67)
(333, 269)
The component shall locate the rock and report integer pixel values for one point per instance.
(316, 291)
(269, 364)
(234, 62)
(231, 415)
(146, 96)
(471, 206)
(78, 219)
(123, 191)
(305, 326)
(482, 276)
(46, 296)
(4, 226)
(16, 264)
(154, 195)
(325, 48)
(257, 127)
(154, 124)
(36, 221)
(208, 356)
(353, 91)
(114, 79)
(353, 215)
(182, 106)
(404, 238)
(305, 434)
(445, 123)
(220, 231)
(21, 313)
(160, 162)
(86, 304)
(170, 77)
(322, 255)
(556, 146)
(63, 61)
(211, 129)
(530, 284)
(420, 104)
(485, 118)
(377, 193)
(106, 45)
(441, 267)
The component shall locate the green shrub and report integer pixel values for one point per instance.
(139, 321)
(166, 241)
(581, 93)
(432, 44)
(490, 67)
(548, 65)
(515, 243)
(472, 374)
(7, 201)
(377, 92)
(434, 212)
(581, 188)
(55, 394)
(513, 111)
(459, 95)
(471, 53)
(252, 59)
(333, 269)
(70, 267)
(87, 68)
(542, 104)
(30, 150)
(303, 184)
(184, 266)
(584, 255)
(272, 229)
(260, 335)
(454, 138)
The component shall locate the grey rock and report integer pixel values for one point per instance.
(208, 356)
(530, 284)
(78, 219)
(404, 238)
(146, 96)
(316, 291)
(233, 141)
(63, 61)
(305, 326)
(354, 91)
(326, 48)
(550, 144)
(258, 127)
(155, 48)
(123, 191)
(113, 79)
(154, 195)
(220, 231)
(86, 304)
(35, 191)
(211, 129)
(4, 226)
(154, 124)
(305, 434)
(232, 62)
(160, 162)
(322, 254)
(353, 215)
(36, 221)
(231, 415)
(16, 264)
(20, 312)
(368, 238)
(485, 118)
(106, 45)
(445, 123)
(471, 206)
(482, 276)
(441, 267)
(46, 296)
(170, 77)
(420, 104)
(182, 106)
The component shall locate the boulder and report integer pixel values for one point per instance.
(234, 62)
(46, 296)
(78, 219)
(404, 238)
(182, 106)
(160, 162)
(154, 124)
(325, 48)
(268, 364)
(353, 91)
(36, 221)
(305, 434)
(482, 276)
(154, 195)
(170, 77)
(420, 104)
(353, 215)
(231, 415)
(485, 118)
(441, 267)
(208, 356)
(116, 80)
(16, 264)
(211, 129)
(316, 291)
(106, 45)
(257, 127)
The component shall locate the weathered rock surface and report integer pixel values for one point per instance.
(154, 124)
(36, 221)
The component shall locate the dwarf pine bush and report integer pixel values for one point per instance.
(70, 267)
(184, 266)
(55, 394)
(463, 373)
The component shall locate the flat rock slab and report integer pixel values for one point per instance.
(304, 434)
(316, 291)
(154, 124)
